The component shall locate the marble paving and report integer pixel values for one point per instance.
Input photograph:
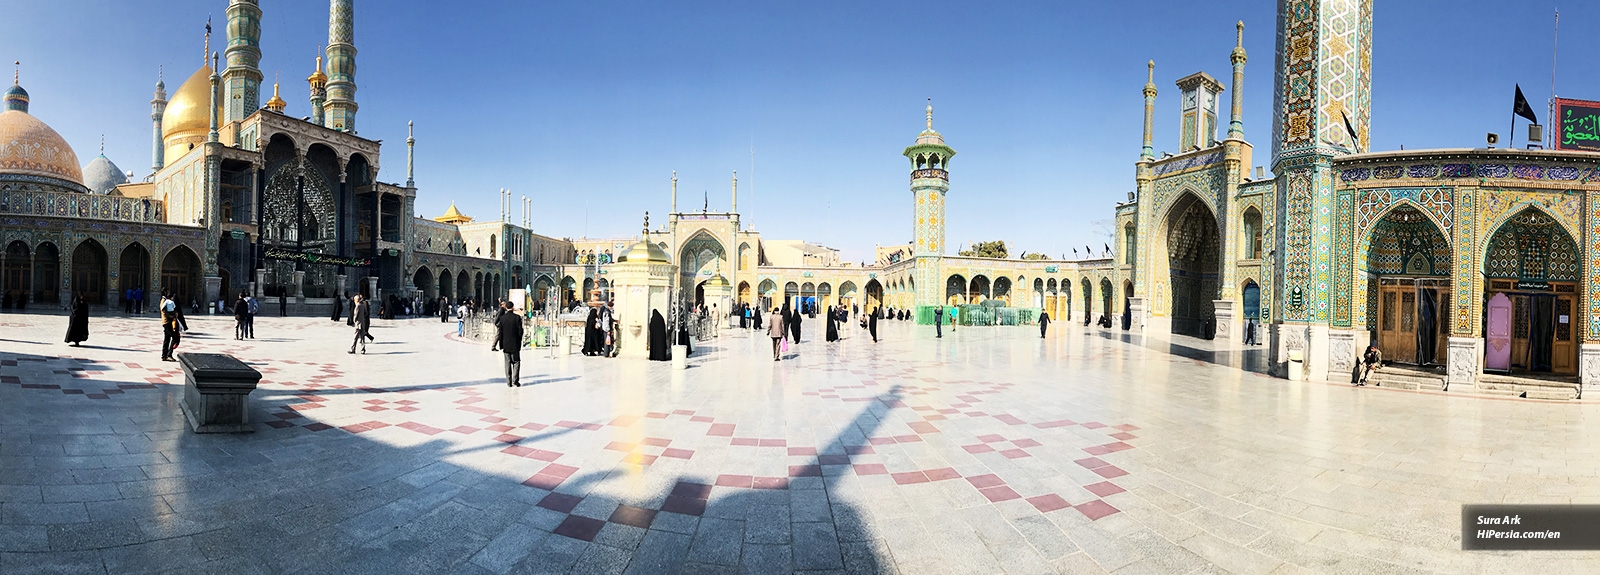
(987, 451)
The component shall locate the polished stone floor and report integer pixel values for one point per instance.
(987, 451)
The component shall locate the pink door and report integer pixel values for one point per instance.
(1497, 352)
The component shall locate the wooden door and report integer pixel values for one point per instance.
(1388, 320)
(1563, 352)
(1398, 322)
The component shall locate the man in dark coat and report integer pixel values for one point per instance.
(938, 322)
(241, 314)
(78, 325)
(283, 305)
(444, 309)
(509, 329)
(1044, 323)
(361, 318)
(658, 337)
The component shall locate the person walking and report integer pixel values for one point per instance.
(127, 301)
(954, 317)
(508, 328)
(872, 324)
(283, 305)
(361, 318)
(1250, 332)
(138, 300)
(78, 324)
(794, 326)
(1044, 323)
(775, 330)
(252, 307)
(350, 318)
(938, 322)
(241, 310)
(170, 336)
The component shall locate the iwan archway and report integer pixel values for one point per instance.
(1407, 281)
(1191, 276)
(1531, 271)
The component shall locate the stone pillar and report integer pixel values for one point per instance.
(299, 286)
(1589, 364)
(1286, 338)
(1342, 352)
(372, 287)
(1226, 315)
(213, 288)
(1136, 309)
(1317, 351)
(339, 288)
(1464, 361)
(260, 287)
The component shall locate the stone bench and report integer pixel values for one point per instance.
(216, 392)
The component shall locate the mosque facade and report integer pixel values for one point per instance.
(1473, 261)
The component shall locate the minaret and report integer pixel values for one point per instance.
(1325, 54)
(674, 191)
(930, 180)
(340, 109)
(1236, 114)
(242, 79)
(215, 81)
(735, 208)
(319, 90)
(158, 106)
(411, 156)
(1148, 152)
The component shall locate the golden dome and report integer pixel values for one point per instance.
(29, 147)
(186, 122)
(453, 216)
(276, 104)
(645, 252)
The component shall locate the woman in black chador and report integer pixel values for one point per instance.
(794, 326)
(872, 324)
(338, 308)
(78, 324)
(593, 337)
(833, 325)
(658, 337)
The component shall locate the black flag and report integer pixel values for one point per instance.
(1355, 141)
(1521, 107)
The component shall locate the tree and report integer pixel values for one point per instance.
(1034, 256)
(995, 249)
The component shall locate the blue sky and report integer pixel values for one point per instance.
(587, 107)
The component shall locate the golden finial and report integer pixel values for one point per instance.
(16, 74)
(102, 144)
(646, 233)
(1241, 34)
(930, 113)
(1151, 77)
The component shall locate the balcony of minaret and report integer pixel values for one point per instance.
(930, 173)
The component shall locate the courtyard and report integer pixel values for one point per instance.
(986, 451)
